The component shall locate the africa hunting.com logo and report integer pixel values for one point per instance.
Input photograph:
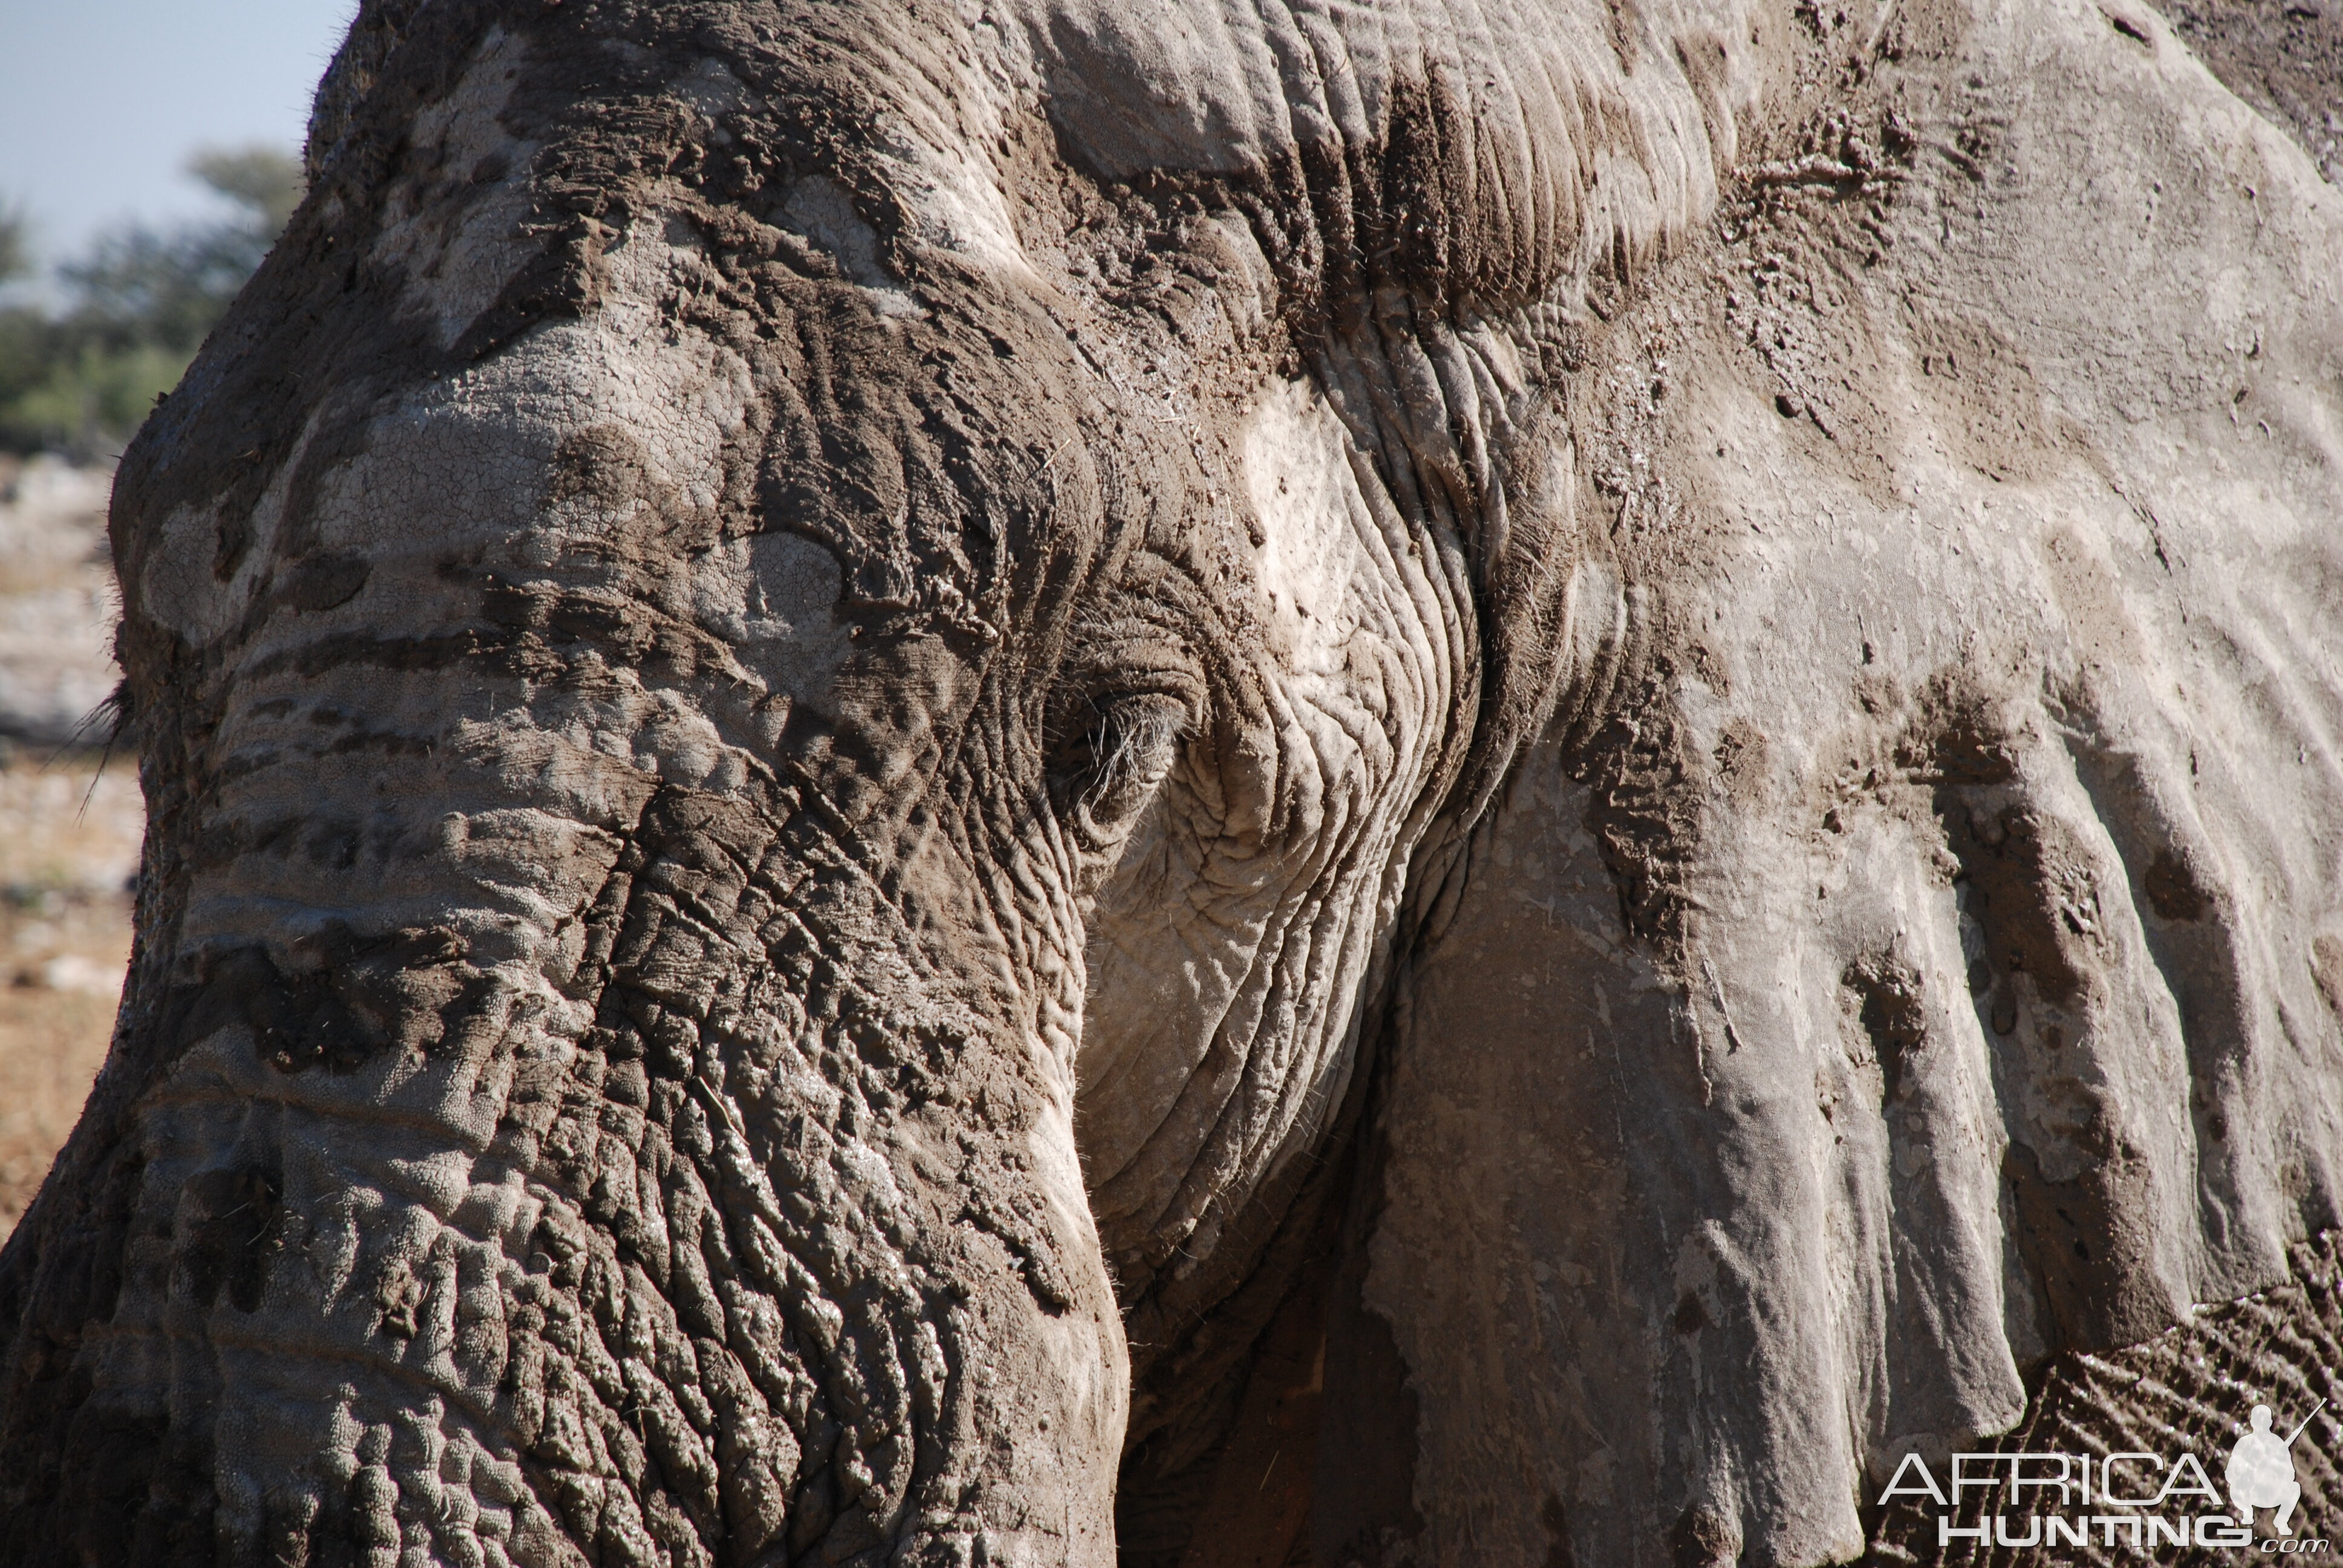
(2137, 1502)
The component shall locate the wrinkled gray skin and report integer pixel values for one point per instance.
(1585, 753)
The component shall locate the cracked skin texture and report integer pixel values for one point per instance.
(924, 780)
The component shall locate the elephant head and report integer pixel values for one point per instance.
(901, 755)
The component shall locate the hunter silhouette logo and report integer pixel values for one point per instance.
(2261, 1470)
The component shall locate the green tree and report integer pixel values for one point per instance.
(24, 333)
(138, 304)
(15, 255)
(265, 181)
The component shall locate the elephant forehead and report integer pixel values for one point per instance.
(574, 432)
(593, 432)
(457, 260)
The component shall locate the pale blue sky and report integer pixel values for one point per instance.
(102, 100)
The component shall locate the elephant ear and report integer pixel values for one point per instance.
(1926, 960)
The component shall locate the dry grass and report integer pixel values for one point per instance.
(68, 842)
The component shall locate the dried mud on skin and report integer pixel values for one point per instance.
(2192, 1386)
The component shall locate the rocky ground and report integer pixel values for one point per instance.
(69, 829)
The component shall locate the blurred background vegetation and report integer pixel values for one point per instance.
(80, 367)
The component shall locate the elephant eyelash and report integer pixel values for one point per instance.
(1104, 770)
(1135, 739)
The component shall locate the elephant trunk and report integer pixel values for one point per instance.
(508, 1153)
(593, 1085)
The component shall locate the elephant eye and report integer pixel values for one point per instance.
(1112, 754)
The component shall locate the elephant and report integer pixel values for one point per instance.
(1214, 781)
